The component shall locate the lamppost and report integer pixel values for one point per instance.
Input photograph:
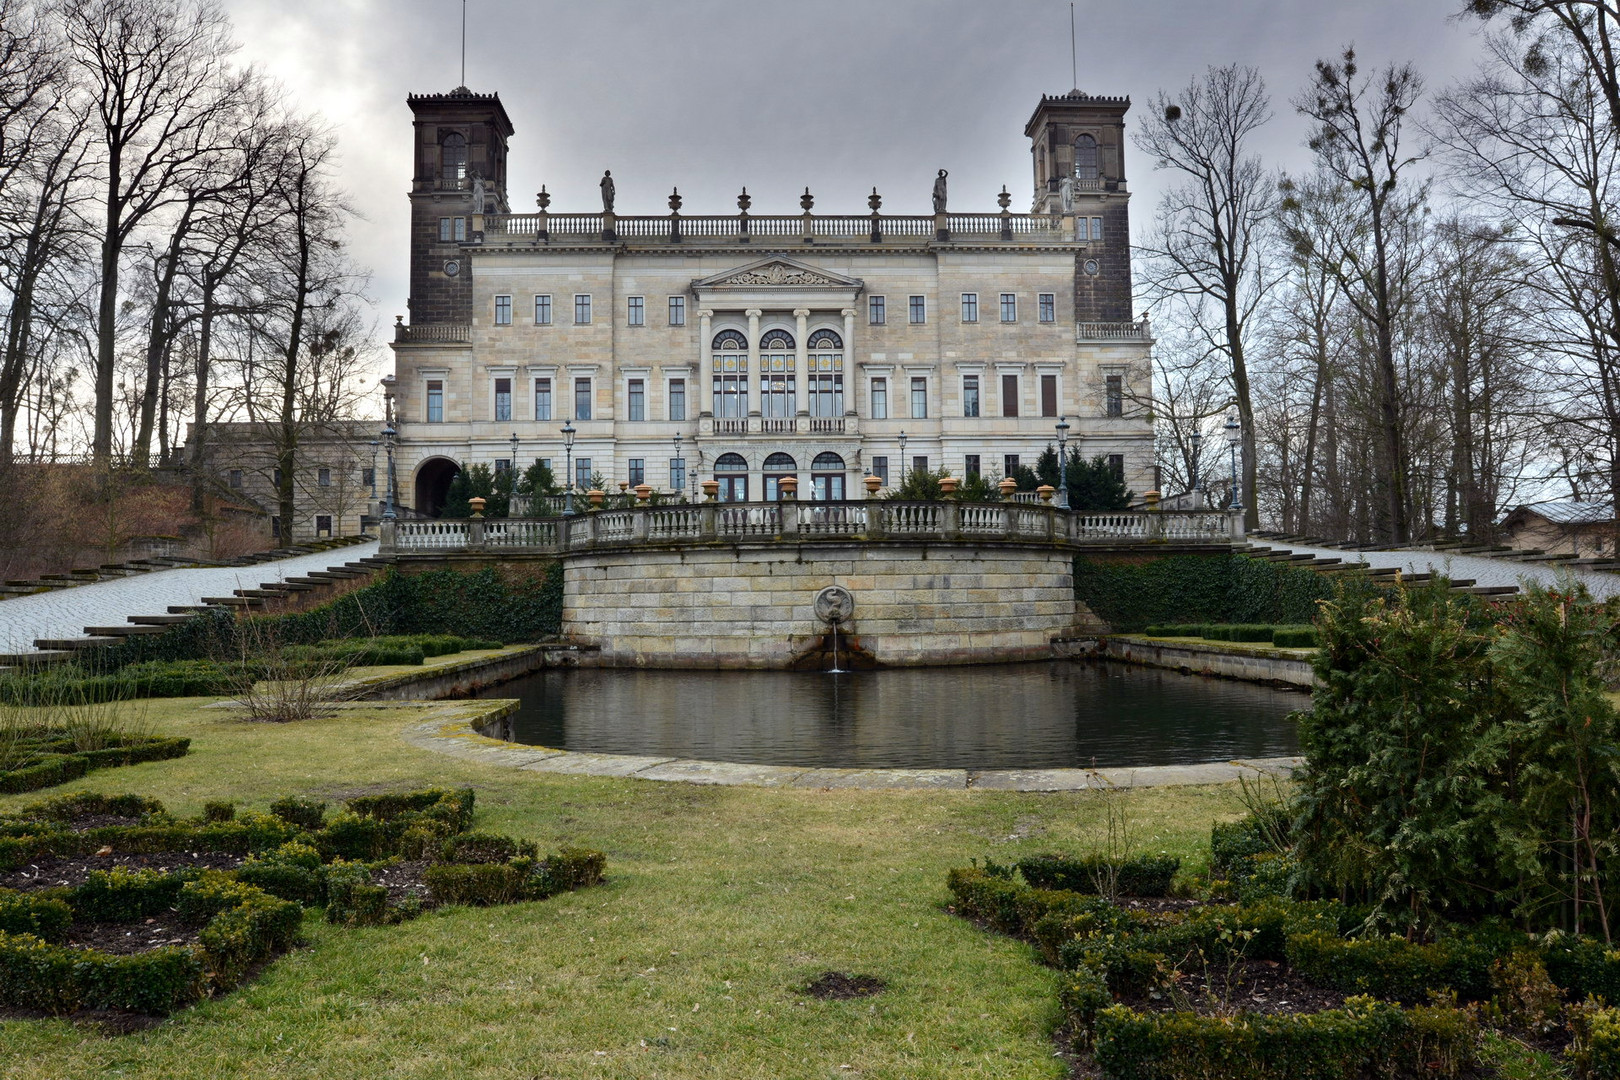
(568, 446)
(1063, 461)
(902, 458)
(512, 480)
(674, 487)
(1197, 439)
(1234, 436)
(388, 496)
(374, 445)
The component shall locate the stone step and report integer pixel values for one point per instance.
(160, 620)
(43, 658)
(233, 601)
(260, 594)
(188, 609)
(288, 585)
(123, 631)
(76, 643)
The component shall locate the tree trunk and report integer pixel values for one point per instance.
(112, 242)
(158, 338)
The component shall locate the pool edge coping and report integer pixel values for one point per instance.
(459, 737)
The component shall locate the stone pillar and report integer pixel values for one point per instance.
(801, 358)
(705, 387)
(708, 526)
(1234, 519)
(388, 537)
(950, 519)
(751, 384)
(639, 522)
(475, 534)
(789, 509)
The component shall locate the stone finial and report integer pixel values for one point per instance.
(477, 503)
(644, 492)
(744, 201)
(789, 486)
(624, 485)
(542, 198)
(399, 320)
(1004, 200)
(596, 495)
(872, 484)
(1151, 498)
(711, 490)
(948, 485)
(1008, 485)
(807, 200)
(875, 201)
(1046, 491)
(675, 200)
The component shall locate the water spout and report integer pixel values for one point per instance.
(835, 669)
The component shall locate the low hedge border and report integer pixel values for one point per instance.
(1143, 876)
(51, 769)
(1286, 636)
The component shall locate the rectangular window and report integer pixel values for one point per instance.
(459, 229)
(368, 477)
(1048, 307)
(323, 477)
(1096, 228)
(919, 463)
(323, 524)
(677, 474)
(502, 465)
(919, 309)
(970, 395)
(582, 399)
(1049, 395)
(677, 311)
(971, 465)
(1009, 395)
(435, 401)
(970, 307)
(638, 399)
(677, 399)
(1114, 395)
(542, 311)
(444, 229)
(1081, 232)
(880, 399)
(503, 399)
(236, 478)
(919, 398)
(637, 313)
(503, 311)
(1009, 307)
(542, 399)
(875, 313)
(638, 471)
(275, 479)
(582, 473)
(1116, 465)
(582, 309)
(880, 468)
(1009, 464)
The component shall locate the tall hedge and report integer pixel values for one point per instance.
(1222, 588)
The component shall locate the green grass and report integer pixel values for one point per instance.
(719, 903)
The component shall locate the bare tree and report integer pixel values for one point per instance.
(1208, 245)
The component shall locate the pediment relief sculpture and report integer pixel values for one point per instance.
(777, 273)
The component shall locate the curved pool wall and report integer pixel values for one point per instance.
(1057, 714)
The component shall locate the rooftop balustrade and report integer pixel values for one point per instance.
(797, 522)
(891, 229)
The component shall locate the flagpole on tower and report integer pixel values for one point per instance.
(1074, 65)
(464, 38)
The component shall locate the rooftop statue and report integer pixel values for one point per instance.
(607, 191)
(939, 192)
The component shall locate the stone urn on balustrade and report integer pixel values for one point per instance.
(644, 492)
(1046, 491)
(711, 490)
(596, 495)
(789, 486)
(1008, 485)
(477, 502)
(872, 484)
(948, 485)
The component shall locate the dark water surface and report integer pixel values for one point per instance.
(1015, 716)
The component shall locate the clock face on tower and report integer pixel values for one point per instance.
(452, 267)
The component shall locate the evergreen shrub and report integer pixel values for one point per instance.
(1145, 875)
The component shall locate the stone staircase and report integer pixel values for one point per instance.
(1458, 585)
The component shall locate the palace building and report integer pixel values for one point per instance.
(747, 348)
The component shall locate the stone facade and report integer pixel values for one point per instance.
(751, 606)
(882, 326)
(336, 486)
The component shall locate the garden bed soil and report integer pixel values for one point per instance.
(403, 880)
(837, 986)
(125, 939)
(1252, 986)
(53, 871)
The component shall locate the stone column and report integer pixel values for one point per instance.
(850, 390)
(801, 360)
(751, 383)
(705, 387)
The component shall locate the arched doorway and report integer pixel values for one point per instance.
(732, 473)
(778, 467)
(827, 474)
(433, 478)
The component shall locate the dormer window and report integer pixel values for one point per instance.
(1085, 158)
(453, 157)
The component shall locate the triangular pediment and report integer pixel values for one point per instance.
(777, 270)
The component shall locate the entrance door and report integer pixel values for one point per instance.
(829, 487)
(733, 488)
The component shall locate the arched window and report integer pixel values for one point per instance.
(731, 473)
(783, 463)
(824, 381)
(730, 374)
(730, 463)
(778, 467)
(778, 385)
(453, 157)
(827, 477)
(1085, 158)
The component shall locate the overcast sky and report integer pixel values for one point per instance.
(836, 95)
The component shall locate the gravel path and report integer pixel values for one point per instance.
(64, 613)
(1483, 570)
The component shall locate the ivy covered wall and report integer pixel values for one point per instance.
(1130, 592)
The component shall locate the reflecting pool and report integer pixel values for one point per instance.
(1018, 716)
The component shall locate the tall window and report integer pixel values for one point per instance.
(542, 311)
(1009, 307)
(503, 399)
(1048, 307)
(777, 468)
(637, 313)
(1096, 228)
(880, 468)
(677, 399)
(1116, 465)
(919, 309)
(502, 465)
(582, 399)
(875, 313)
(919, 398)
(970, 465)
(323, 524)
(1049, 395)
(919, 463)
(1114, 395)
(1009, 395)
(236, 478)
(638, 471)
(825, 380)
(542, 399)
(582, 309)
(503, 311)
(880, 399)
(435, 401)
(970, 307)
(1085, 158)
(677, 311)
(677, 474)
(1009, 464)
(453, 157)
(452, 229)
(970, 395)
(323, 477)
(1081, 231)
(582, 473)
(778, 383)
(637, 393)
(730, 374)
(368, 476)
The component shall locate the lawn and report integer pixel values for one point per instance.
(720, 904)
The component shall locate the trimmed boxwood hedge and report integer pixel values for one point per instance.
(48, 769)
(1132, 593)
(1145, 875)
